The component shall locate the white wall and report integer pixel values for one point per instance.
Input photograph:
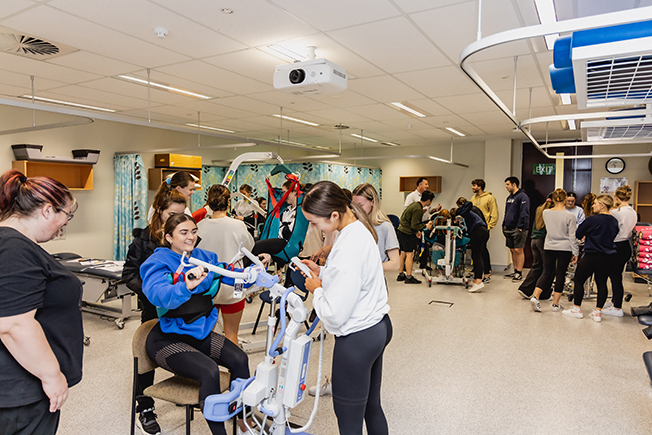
(90, 233)
(636, 168)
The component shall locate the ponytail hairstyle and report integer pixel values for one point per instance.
(624, 193)
(377, 216)
(326, 197)
(218, 197)
(21, 196)
(171, 224)
(607, 200)
(179, 179)
(559, 195)
(162, 201)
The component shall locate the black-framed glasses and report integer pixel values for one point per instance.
(73, 208)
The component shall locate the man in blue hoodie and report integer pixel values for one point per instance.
(515, 225)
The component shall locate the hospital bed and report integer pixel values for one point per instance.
(102, 280)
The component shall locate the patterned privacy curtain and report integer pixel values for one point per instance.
(130, 201)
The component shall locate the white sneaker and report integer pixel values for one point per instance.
(417, 271)
(613, 311)
(596, 316)
(557, 308)
(324, 390)
(476, 288)
(573, 312)
(608, 304)
(536, 306)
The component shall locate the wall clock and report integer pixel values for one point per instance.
(615, 165)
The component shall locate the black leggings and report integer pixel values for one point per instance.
(198, 359)
(357, 377)
(145, 379)
(479, 238)
(555, 264)
(486, 259)
(592, 263)
(530, 281)
(623, 254)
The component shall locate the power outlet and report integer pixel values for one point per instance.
(60, 235)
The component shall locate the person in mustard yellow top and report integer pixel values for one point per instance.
(486, 202)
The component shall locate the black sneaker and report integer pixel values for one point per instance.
(400, 277)
(147, 422)
(486, 279)
(517, 277)
(509, 275)
(412, 280)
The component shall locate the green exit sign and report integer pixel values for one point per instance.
(544, 169)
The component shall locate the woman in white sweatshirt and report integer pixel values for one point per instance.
(350, 297)
(559, 249)
(627, 219)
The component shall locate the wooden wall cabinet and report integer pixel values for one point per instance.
(409, 184)
(72, 175)
(155, 176)
(644, 200)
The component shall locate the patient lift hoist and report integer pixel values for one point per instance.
(453, 232)
(275, 388)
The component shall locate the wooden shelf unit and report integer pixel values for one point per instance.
(74, 176)
(155, 176)
(643, 202)
(409, 184)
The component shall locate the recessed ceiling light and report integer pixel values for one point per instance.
(452, 130)
(547, 15)
(67, 103)
(572, 125)
(565, 99)
(301, 121)
(165, 87)
(390, 144)
(210, 128)
(408, 109)
(363, 137)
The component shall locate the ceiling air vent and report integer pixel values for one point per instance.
(32, 47)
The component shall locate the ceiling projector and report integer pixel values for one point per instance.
(311, 77)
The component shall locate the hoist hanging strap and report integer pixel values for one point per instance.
(277, 205)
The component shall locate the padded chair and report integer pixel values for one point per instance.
(176, 389)
(395, 220)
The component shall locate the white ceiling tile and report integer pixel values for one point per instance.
(289, 101)
(540, 98)
(123, 87)
(155, 116)
(430, 107)
(255, 22)
(24, 81)
(13, 91)
(481, 119)
(445, 121)
(384, 89)
(411, 6)
(202, 72)
(8, 8)
(252, 63)
(42, 70)
(439, 82)
(182, 83)
(409, 125)
(85, 61)
(499, 73)
(247, 104)
(184, 36)
(379, 112)
(340, 13)
(67, 96)
(100, 97)
(338, 116)
(213, 107)
(343, 99)
(50, 23)
(467, 103)
(391, 45)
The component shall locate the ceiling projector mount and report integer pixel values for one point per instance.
(310, 77)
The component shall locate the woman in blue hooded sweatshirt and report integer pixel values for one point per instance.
(183, 340)
(477, 229)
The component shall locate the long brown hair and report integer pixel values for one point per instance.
(538, 220)
(218, 197)
(162, 201)
(22, 195)
(623, 193)
(179, 179)
(326, 197)
(172, 223)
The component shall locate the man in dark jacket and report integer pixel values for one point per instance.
(515, 225)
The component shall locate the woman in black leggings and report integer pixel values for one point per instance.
(183, 340)
(600, 231)
(477, 229)
(350, 297)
